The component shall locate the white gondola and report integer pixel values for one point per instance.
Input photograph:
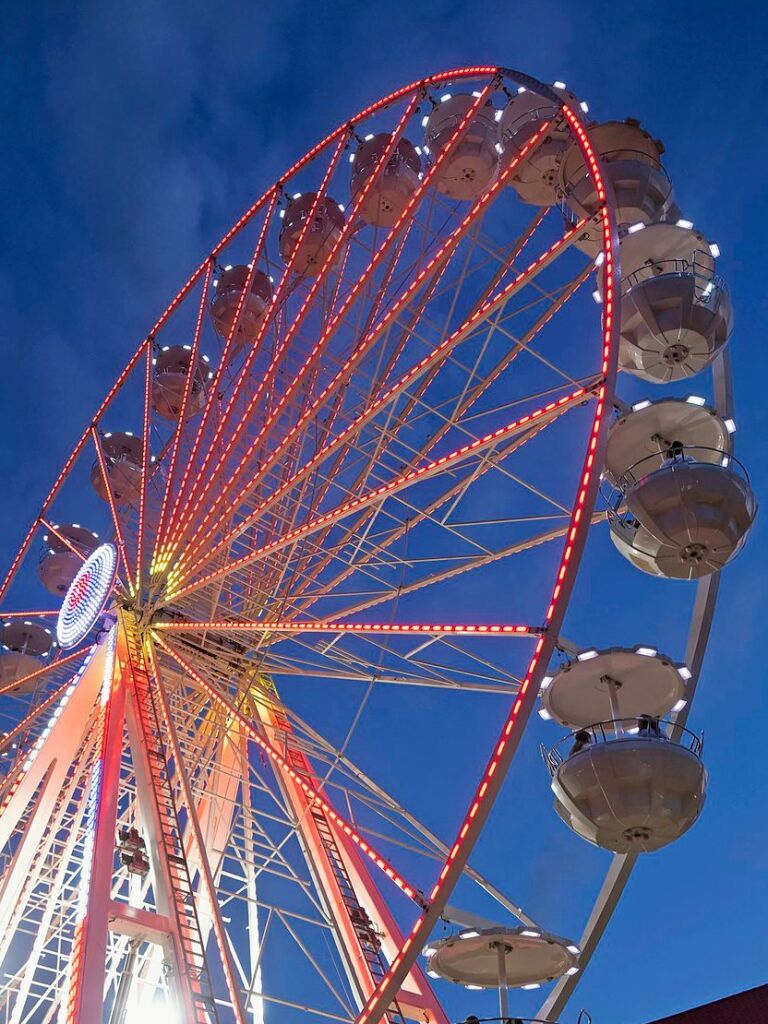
(389, 197)
(698, 505)
(676, 314)
(24, 646)
(171, 370)
(629, 788)
(681, 506)
(228, 288)
(623, 780)
(472, 165)
(310, 249)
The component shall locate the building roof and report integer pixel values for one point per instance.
(750, 1007)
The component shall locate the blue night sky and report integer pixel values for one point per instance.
(132, 135)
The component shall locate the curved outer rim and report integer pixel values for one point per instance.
(621, 866)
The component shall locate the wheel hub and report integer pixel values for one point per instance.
(675, 354)
(693, 553)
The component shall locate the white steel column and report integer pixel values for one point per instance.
(84, 999)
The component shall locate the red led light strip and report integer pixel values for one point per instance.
(292, 626)
(340, 823)
(367, 341)
(72, 988)
(490, 783)
(145, 465)
(406, 480)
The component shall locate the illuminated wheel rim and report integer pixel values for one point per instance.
(87, 596)
(225, 562)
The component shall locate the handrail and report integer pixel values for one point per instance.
(614, 494)
(614, 156)
(616, 730)
(678, 457)
(537, 115)
(701, 268)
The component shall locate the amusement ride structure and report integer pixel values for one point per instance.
(254, 736)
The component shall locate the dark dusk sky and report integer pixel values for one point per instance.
(133, 134)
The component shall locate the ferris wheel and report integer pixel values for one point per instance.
(336, 507)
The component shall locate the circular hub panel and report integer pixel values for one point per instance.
(86, 597)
